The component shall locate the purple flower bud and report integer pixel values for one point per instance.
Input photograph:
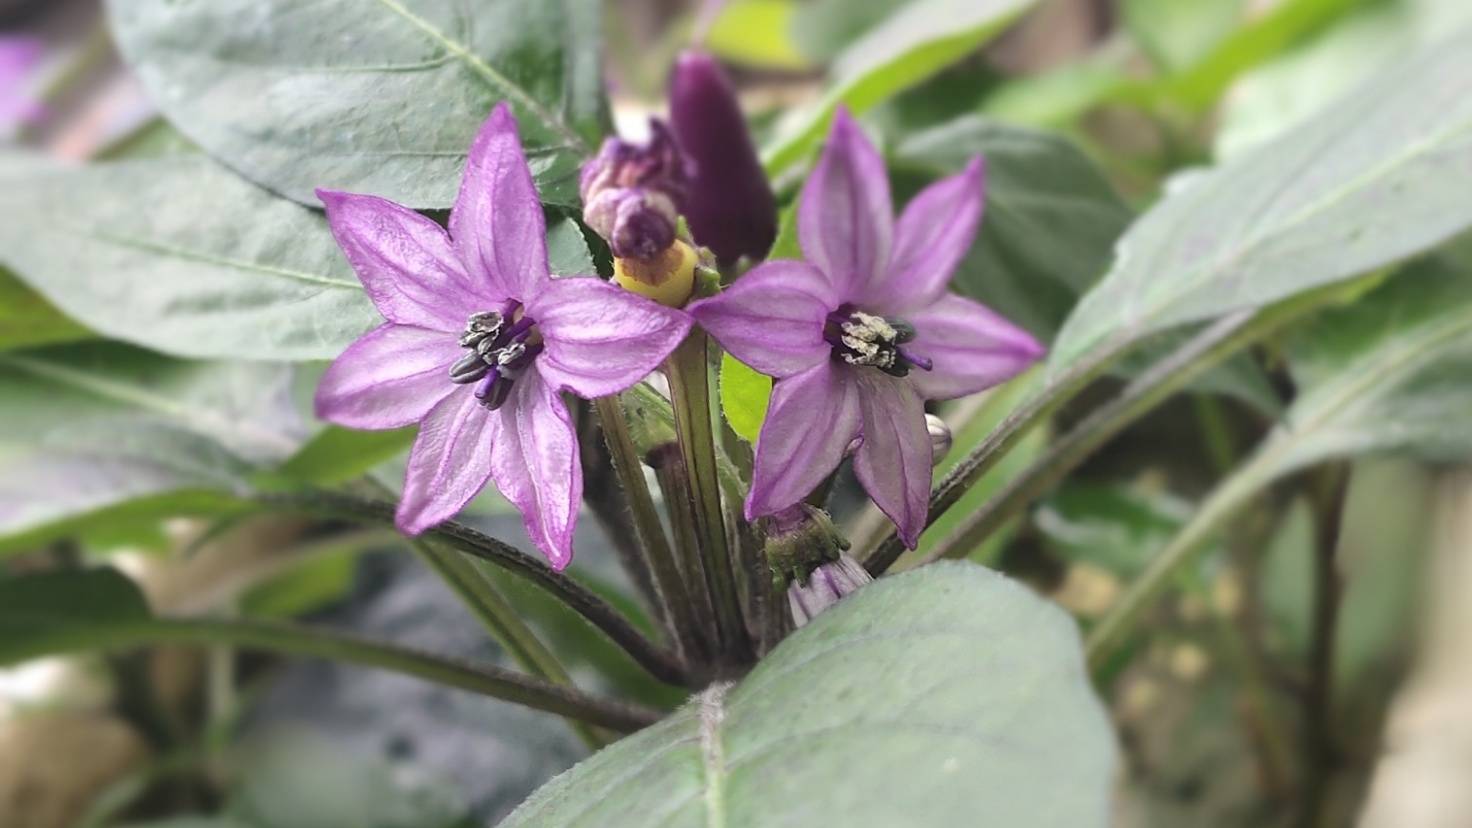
(730, 208)
(632, 193)
(826, 586)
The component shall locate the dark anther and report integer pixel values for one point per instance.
(470, 368)
(860, 338)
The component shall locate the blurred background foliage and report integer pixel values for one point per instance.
(1088, 111)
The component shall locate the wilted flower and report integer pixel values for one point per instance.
(18, 58)
(863, 332)
(730, 208)
(632, 193)
(481, 341)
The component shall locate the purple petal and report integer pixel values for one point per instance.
(600, 338)
(534, 462)
(450, 461)
(893, 462)
(404, 261)
(971, 346)
(19, 57)
(390, 377)
(772, 318)
(844, 216)
(934, 232)
(497, 222)
(812, 419)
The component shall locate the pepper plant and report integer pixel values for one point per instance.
(804, 392)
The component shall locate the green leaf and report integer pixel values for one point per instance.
(1113, 526)
(93, 426)
(63, 610)
(757, 33)
(181, 256)
(1282, 94)
(943, 696)
(373, 97)
(337, 455)
(745, 395)
(1366, 184)
(1050, 223)
(909, 46)
(567, 248)
(1388, 373)
(822, 29)
(1176, 34)
(28, 320)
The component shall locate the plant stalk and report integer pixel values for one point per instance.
(1331, 485)
(689, 376)
(678, 605)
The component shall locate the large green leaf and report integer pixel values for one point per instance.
(95, 425)
(28, 320)
(1390, 372)
(915, 42)
(376, 97)
(1379, 177)
(1050, 223)
(182, 256)
(944, 696)
(58, 611)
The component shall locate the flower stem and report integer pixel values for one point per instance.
(495, 612)
(689, 375)
(659, 662)
(674, 481)
(293, 639)
(670, 585)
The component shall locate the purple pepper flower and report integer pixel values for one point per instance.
(18, 58)
(481, 341)
(730, 208)
(861, 334)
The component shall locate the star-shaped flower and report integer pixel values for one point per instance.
(863, 332)
(480, 343)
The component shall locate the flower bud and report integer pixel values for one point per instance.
(730, 206)
(632, 193)
(940, 438)
(826, 586)
(667, 277)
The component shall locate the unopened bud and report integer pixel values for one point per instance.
(668, 277)
(940, 438)
(826, 586)
(730, 208)
(632, 193)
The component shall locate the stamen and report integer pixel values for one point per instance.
(864, 339)
(923, 363)
(498, 353)
(494, 390)
(468, 369)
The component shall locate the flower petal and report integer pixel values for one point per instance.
(600, 338)
(812, 419)
(894, 461)
(844, 216)
(391, 377)
(496, 223)
(450, 461)
(972, 347)
(934, 232)
(405, 262)
(534, 463)
(772, 318)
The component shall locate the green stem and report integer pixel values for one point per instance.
(1203, 351)
(463, 575)
(300, 641)
(1027, 416)
(660, 558)
(689, 375)
(1234, 493)
(660, 663)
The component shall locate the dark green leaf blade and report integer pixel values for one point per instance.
(374, 97)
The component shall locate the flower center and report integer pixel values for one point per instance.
(501, 347)
(860, 338)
